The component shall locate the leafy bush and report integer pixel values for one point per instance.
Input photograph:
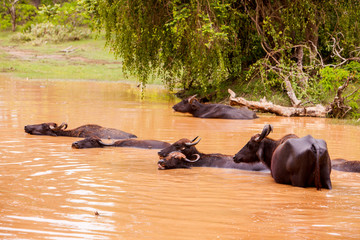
(5, 21)
(333, 78)
(69, 13)
(48, 32)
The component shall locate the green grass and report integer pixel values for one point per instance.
(58, 69)
(91, 60)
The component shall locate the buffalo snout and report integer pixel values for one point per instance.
(26, 128)
(161, 164)
(75, 145)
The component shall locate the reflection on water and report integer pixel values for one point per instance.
(51, 191)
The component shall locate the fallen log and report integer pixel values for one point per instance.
(268, 107)
(68, 49)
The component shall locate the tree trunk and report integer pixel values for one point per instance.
(269, 107)
(36, 3)
(13, 15)
(299, 54)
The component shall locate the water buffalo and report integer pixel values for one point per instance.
(302, 162)
(197, 109)
(345, 165)
(194, 158)
(52, 129)
(96, 142)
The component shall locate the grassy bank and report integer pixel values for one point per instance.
(87, 59)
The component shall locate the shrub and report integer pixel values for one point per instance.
(48, 32)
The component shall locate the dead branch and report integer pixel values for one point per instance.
(352, 93)
(290, 92)
(336, 50)
(269, 107)
(337, 107)
(68, 49)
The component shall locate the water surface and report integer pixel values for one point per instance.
(51, 191)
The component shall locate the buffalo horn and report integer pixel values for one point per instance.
(195, 138)
(197, 158)
(106, 144)
(63, 125)
(266, 131)
(56, 128)
(192, 143)
(191, 99)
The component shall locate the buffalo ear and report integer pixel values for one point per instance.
(260, 154)
(194, 106)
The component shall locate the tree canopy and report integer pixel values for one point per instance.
(204, 42)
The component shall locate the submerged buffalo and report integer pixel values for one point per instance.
(193, 158)
(301, 162)
(197, 109)
(96, 142)
(345, 165)
(52, 129)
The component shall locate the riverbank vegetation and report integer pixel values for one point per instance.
(294, 53)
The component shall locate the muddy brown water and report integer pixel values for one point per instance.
(51, 191)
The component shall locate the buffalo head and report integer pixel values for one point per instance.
(175, 160)
(252, 151)
(186, 105)
(184, 145)
(50, 129)
(90, 142)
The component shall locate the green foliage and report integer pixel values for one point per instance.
(5, 21)
(349, 25)
(333, 78)
(25, 12)
(69, 13)
(48, 32)
(89, 12)
(191, 44)
(73, 13)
